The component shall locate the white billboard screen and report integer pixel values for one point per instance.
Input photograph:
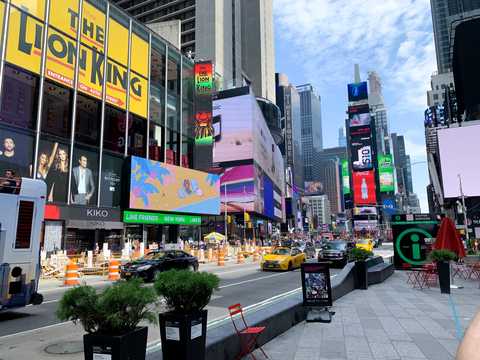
(459, 155)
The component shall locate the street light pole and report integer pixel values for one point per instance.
(226, 213)
(464, 208)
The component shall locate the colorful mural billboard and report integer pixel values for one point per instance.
(157, 186)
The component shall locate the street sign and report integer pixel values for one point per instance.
(317, 290)
(413, 236)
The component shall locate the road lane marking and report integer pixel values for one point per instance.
(252, 280)
(26, 332)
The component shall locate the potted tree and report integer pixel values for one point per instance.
(111, 318)
(361, 269)
(442, 258)
(183, 328)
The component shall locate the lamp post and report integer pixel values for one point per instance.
(464, 208)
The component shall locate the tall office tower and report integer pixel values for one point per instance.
(445, 15)
(288, 100)
(439, 82)
(258, 54)
(327, 170)
(342, 139)
(210, 30)
(378, 110)
(402, 164)
(311, 119)
(320, 209)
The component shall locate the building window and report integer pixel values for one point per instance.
(156, 142)
(114, 130)
(19, 99)
(56, 116)
(137, 136)
(87, 126)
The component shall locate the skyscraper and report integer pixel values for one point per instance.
(311, 120)
(379, 112)
(258, 54)
(445, 14)
(342, 139)
(237, 35)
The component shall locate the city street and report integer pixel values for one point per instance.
(243, 283)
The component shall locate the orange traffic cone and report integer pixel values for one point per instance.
(240, 258)
(72, 277)
(221, 258)
(114, 270)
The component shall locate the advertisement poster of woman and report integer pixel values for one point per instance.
(57, 177)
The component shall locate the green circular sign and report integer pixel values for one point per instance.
(417, 238)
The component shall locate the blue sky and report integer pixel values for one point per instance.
(319, 41)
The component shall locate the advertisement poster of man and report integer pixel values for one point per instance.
(83, 181)
(16, 152)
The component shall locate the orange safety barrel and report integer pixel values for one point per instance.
(221, 258)
(114, 270)
(72, 277)
(240, 258)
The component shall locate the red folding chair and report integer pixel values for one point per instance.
(248, 335)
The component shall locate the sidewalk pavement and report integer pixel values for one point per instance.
(389, 321)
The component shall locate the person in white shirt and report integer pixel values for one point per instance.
(83, 185)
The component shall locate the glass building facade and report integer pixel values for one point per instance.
(79, 96)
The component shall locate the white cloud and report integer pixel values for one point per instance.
(390, 36)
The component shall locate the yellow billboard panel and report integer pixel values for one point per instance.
(118, 42)
(93, 26)
(64, 16)
(117, 85)
(61, 52)
(2, 9)
(138, 95)
(24, 43)
(91, 72)
(33, 7)
(139, 55)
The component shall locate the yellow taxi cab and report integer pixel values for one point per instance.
(365, 244)
(283, 258)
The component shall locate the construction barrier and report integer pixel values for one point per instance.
(201, 256)
(240, 258)
(256, 256)
(221, 258)
(114, 270)
(72, 277)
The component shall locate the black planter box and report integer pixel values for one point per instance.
(131, 346)
(443, 269)
(183, 335)
(361, 275)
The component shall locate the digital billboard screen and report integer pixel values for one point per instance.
(357, 91)
(459, 149)
(314, 188)
(345, 177)
(364, 188)
(361, 148)
(361, 119)
(158, 186)
(385, 171)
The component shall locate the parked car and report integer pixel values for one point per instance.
(283, 258)
(148, 266)
(365, 244)
(307, 248)
(335, 252)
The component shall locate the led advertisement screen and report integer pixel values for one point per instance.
(314, 188)
(364, 188)
(368, 225)
(234, 120)
(158, 186)
(385, 170)
(203, 72)
(361, 148)
(459, 149)
(357, 91)
(365, 210)
(345, 177)
(361, 119)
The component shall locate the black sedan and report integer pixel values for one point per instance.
(335, 252)
(148, 266)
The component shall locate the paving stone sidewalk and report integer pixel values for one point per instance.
(388, 321)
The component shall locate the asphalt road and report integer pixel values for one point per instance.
(245, 284)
